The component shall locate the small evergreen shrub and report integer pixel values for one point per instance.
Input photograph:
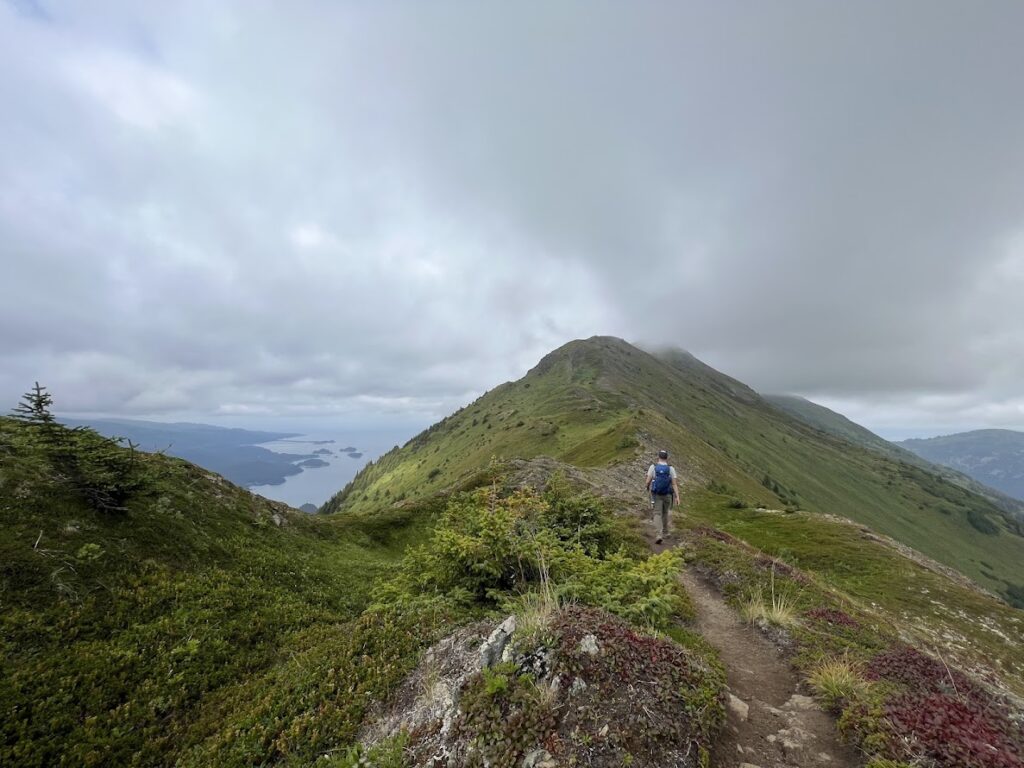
(101, 470)
(487, 547)
(982, 523)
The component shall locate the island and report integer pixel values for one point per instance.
(312, 463)
(308, 508)
(233, 453)
(355, 455)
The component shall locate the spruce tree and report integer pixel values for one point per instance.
(96, 467)
(34, 408)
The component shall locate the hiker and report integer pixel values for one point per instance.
(661, 483)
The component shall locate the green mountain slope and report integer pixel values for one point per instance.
(836, 424)
(187, 622)
(175, 619)
(602, 401)
(132, 636)
(991, 456)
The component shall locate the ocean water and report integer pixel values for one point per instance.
(317, 485)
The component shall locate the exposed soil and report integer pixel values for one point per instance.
(771, 722)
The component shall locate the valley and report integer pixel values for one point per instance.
(991, 456)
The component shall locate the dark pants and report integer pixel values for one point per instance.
(662, 504)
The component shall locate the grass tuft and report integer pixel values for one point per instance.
(535, 612)
(837, 681)
(779, 608)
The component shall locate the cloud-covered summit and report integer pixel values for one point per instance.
(327, 208)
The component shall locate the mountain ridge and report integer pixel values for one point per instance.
(827, 420)
(195, 624)
(599, 401)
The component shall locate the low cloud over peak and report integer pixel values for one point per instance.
(351, 208)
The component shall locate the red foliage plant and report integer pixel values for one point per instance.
(832, 616)
(946, 716)
(920, 672)
(956, 732)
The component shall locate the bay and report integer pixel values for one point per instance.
(316, 485)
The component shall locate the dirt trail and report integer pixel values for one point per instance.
(770, 723)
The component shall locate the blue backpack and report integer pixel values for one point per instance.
(662, 485)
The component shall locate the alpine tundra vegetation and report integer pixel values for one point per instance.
(489, 594)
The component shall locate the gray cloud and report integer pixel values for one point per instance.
(366, 209)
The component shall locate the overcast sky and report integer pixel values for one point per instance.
(372, 212)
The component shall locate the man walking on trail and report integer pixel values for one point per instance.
(661, 482)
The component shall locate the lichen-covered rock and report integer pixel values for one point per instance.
(493, 647)
(589, 645)
(539, 758)
(593, 691)
(426, 704)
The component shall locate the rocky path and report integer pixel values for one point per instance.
(770, 723)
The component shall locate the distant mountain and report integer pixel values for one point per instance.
(994, 457)
(601, 401)
(820, 417)
(231, 452)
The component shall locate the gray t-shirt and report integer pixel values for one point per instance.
(650, 472)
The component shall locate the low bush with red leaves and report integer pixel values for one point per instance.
(939, 713)
(832, 616)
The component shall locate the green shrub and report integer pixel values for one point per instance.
(1015, 595)
(646, 593)
(487, 548)
(982, 522)
(100, 470)
(577, 518)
